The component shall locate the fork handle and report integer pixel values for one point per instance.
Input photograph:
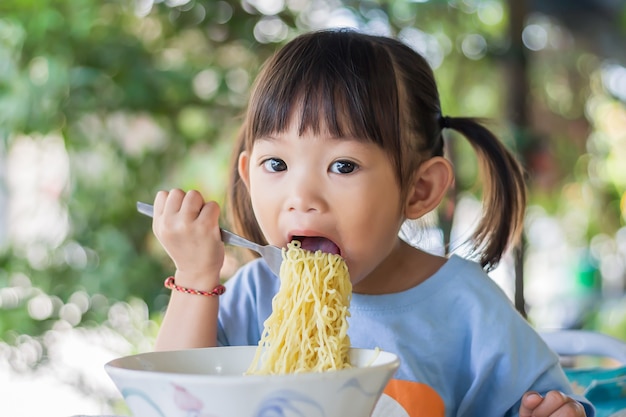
(233, 239)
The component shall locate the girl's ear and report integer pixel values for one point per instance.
(430, 185)
(243, 166)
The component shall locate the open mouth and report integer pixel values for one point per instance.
(315, 243)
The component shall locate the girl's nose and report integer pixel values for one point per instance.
(306, 194)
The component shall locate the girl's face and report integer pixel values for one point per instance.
(337, 195)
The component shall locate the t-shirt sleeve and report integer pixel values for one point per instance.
(514, 361)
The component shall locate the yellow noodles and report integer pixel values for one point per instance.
(307, 330)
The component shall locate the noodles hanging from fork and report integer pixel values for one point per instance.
(307, 330)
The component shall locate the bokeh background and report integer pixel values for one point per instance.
(103, 103)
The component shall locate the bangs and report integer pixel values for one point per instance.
(329, 82)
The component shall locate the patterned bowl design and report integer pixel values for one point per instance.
(209, 382)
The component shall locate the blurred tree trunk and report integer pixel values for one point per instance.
(517, 86)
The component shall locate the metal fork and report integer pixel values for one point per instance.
(271, 254)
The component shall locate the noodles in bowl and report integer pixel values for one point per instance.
(303, 366)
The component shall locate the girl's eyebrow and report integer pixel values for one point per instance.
(267, 138)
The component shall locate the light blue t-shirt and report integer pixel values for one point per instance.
(460, 341)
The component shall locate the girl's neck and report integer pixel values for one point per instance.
(404, 268)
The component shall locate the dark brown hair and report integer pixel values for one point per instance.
(379, 90)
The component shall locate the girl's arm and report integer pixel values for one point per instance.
(188, 229)
(190, 322)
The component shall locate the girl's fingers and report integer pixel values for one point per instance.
(209, 215)
(174, 201)
(192, 204)
(553, 404)
(552, 401)
(159, 202)
(530, 401)
(181, 207)
(184, 208)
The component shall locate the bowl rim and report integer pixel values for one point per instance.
(115, 370)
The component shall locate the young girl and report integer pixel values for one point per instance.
(341, 144)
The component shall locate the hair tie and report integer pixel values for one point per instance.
(444, 122)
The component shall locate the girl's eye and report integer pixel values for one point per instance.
(343, 167)
(274, 165)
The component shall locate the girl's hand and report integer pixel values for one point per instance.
(188, 229)
(554, 404)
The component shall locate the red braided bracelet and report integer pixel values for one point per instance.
(169, 283)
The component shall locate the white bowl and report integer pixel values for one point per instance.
(209, 382)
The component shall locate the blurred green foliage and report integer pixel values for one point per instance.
(119, 89)
(144, 99)
(147, 96)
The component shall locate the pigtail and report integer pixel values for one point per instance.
(504, 191)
